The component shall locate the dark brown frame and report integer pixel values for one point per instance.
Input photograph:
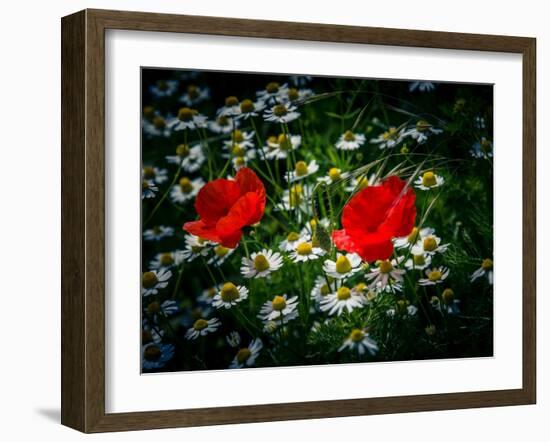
(83, 215)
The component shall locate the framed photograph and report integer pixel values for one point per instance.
(266, 221)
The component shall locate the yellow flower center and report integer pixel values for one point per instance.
(404, 149)
(334, 174)
(371, 296)
(144, 185)
(349, 136)
(238, 151)
(278, 303)
(148, 173)
(313, 223)
(343, 293)
(146, 336)
(237, 136)
(385, 266)
(211, 292)
(247, 106)
(428, 179)
(413, 236)
(272, 87)
(430, 244)
(159, 122)
(280, 110)
(422, 125)
(223, 121)
(200, 324)
(305, 248)
(485, 145)
(261, 263)
(357, 335)
(196, 248)
(293, 94)
(284, 142)
(166, 259)
(342, 264)
(153, 308)
(362, 182)
(301, 168)
(487, 264)
(193, 91)
(448, 296)
(295, 195)
(149, 280)
(391, 133)
(148, 112)
(231, 101)
(243, 354)
(315, 241)
(434, 275)
(162, 85)
(419, 260)
(240, 161)
(292, 236)
(229, 292)
(152, 353)
(360, 287)
(182, 150)
(186, 114)
(324, 290)
(430, 330)
(221, 251)
(185, 185)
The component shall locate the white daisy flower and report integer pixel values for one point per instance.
(155, 309)
(361, 182)
(278, 147)
(202, 327)
(240, 138)
(207, 295)
(281, 113)
(157, 233)
(305, 251)
(429, 180)
(150, 334)
(246, 357)
(486, 269)
(195, 247)
(434, 276)
(344, 266)
(154, 174)
(154, 280)
(148, 189)
(350, 141)
(359, 341)
(280, 310)
(388, 139)
(297, 197)
(402, 308)
(155, 126)
(418, 262)
(187, 119)
(156, 355)
(221, 254)
(392, 288)
(186, 189)
(429, 244)
(291, 241)
(229, 295)
(422, 86)
(273, 90)
(450, 303)
(249, 109)
(323, 286)
(309, 228)
(189, 159)
(295, 95)
(241, 157)
(302, 170)
(233, 339)
(482, 149)
(166, 260)
(195, 95)
(343, 298)
(385, 273)
(416, 236)
(164, 88)
(222, 125)
(334, 175)
(261, 264)
(421, 131)
(231, 109)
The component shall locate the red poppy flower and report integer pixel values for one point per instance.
(226, 206)
(374, 216)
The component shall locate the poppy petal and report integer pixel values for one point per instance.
(248, 181)
(202, 230)
(215, 199)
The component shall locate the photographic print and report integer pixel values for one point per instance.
(295, 220)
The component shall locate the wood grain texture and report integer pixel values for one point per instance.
(83, 219)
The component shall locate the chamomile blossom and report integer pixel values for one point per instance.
(421, 131)
(334, 175)
(278, 147)
(229, 295)
(385, 273)
(342, 299)
(230, 109)
(220, 255)
(222, 125)
(344, 266)
(195, 95)
(157, 233)
(240, 138)
(196, 247)
(297, 197)
(155, 174)
(202, 327)
(413, 238)
(155, 126)
(291, 241)
(434, 276)
(422, 86)
(166, 260)
(241, 157)
(428, 181)
(154, 280)
(249, 108)
(281, 113)
(190, 159)
(148, 189)
(261, 264)
(482, 149)
(486, 269)
(156, 355)
(450, 303)
(350, 141)
(281, 309)
(186, 189)
(302, 170)
(391, 286)
(295, 95)
(361, 182)
(388, 139)
(429, 244)
(309, 228)
(322, 287)
(272, 92)
(359, 341)
(164, 88)
(150, 333)
(189, 119)
(155, 309)
(418, 262)
(402, 308)
(306, 251)
(246, 356)
(233, 339)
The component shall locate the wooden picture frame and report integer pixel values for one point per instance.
(83, 216)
